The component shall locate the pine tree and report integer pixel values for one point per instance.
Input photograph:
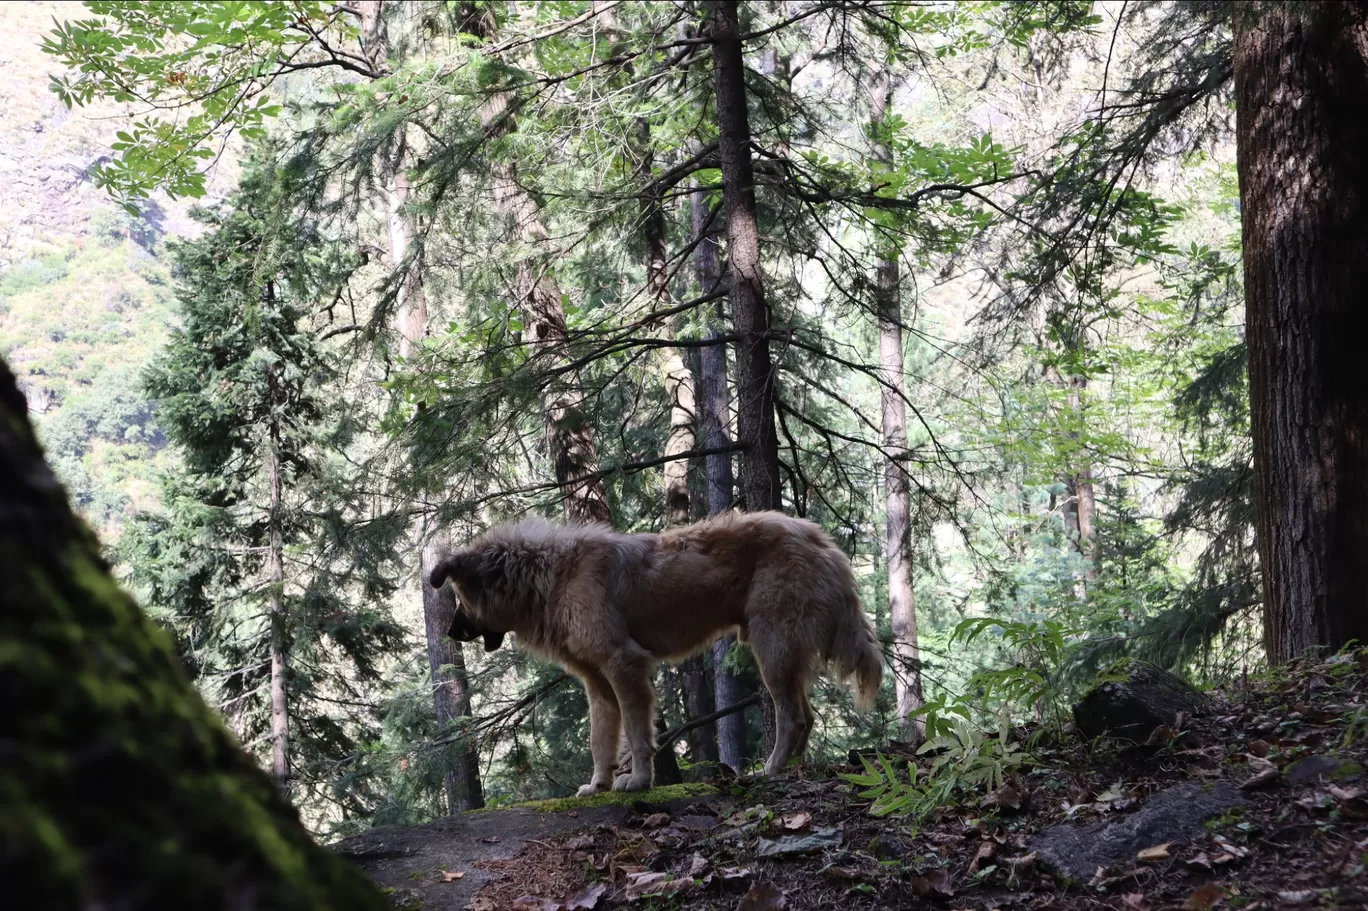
(279, 628)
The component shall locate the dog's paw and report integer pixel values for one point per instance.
(631, 782)
(590, 789)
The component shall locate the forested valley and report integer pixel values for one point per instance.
(1043, 311)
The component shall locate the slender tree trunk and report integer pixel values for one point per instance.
(1301, 89)
(679, 390)
(714, 418)
(275, 580)
(1084, 505)
(902, 604)
(450, 682)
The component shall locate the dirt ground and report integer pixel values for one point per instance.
(1256, 804)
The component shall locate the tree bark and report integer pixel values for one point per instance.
(122, 789)
(1084, 501)
(569, 436)
(275, 583)
(714, 418)
(679, 390)
(902, 603)
(450, 682)
(1301, 89)
(750, 316)
(446, 661)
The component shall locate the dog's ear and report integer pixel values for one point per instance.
(472, 569)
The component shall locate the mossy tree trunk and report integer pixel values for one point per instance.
(121, 788)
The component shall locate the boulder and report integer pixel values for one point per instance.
(1172, 816)
(1132, 698)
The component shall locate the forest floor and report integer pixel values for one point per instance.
(1260, 802)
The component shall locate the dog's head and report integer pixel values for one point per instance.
(464, 629)
(474, 574)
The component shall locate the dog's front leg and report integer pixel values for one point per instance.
(632, 685)
(604, 721)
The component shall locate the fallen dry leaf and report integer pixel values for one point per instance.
(648, 883)
(1161, 736)
(641, 850)
(847, 873)
(586, 899)
(796, 821)
(580, 842)
(936, 884)
(450, 876)
(985, 852)
(1154, 854)
(788, 845)
(1205, 897)
(1300, 897)
(531, 903)
(698, 865)
(491, 839)
(763, 897)
(1260, 780)
(1135, 901)
(656, 820)
(1259, 748)
(1004, 798)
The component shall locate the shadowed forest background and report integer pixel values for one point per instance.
(303, 294)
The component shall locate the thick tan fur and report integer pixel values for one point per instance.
(608, 607)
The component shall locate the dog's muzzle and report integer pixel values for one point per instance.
(464, 629)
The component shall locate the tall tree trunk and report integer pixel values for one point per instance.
(122, 788)
(679, 390)
(569, 436)
(1301, 89)
(446, 661)
(714, 419)
(275, 581)
(1084, 501)
(750, 316)
(902, 604)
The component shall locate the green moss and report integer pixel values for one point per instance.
(128, 789)
(662, 794)
(1123, 670)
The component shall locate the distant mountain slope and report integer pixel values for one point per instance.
(85, 295)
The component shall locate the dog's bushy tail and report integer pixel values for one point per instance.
(854, 649)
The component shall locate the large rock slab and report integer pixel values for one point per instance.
(1176, 815)
(1132, 698)
(407, 859)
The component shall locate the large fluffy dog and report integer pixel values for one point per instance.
(608, 607)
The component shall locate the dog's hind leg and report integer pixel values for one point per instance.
(631, 682)
(605, 718)
(786, 679)
(809, 719)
